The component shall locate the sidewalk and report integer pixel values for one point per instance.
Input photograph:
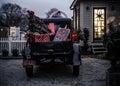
(20, 57)
(11, 57)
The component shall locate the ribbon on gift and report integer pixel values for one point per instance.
(62, 34)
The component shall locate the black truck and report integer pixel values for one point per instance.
(39, 53)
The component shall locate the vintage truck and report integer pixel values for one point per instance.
(39, 52)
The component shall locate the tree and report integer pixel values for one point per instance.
(24, 20)
(36, 24)
(112, 42)
(12, 15)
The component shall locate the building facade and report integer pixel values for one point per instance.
(95, 15)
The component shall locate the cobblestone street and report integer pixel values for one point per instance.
(92, 73)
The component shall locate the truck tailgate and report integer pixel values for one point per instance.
(56, 47)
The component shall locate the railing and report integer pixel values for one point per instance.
(9, 44)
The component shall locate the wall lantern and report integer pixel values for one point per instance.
(87, 8)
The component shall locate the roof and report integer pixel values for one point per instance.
(56, 20)
(78, 1)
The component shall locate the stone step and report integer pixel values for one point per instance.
(98, 48)
(96, 44)
(99, 52)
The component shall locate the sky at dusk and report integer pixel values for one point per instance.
(41, 7)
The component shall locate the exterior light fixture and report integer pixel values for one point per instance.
(87, 8)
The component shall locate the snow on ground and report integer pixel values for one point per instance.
(92, 73)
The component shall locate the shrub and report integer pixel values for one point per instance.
(4, 52)
(101, 56)
(15, 52)
(86, 38)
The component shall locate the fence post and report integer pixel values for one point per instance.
(9, 44)
(0, 46)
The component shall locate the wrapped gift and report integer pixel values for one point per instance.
(42, 38)
(62, 34)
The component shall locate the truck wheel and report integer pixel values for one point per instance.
(29, 71)
(107, 79)
(76, 70)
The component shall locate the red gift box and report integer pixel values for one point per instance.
(42, 38)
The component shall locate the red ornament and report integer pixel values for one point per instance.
(30, 12)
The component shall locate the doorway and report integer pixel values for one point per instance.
(99, 16)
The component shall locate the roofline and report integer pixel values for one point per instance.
(73, 4)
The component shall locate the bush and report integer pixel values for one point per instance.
(5, 52)
(15, 52)
(101, 56)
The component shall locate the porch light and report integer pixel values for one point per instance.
(87, 8)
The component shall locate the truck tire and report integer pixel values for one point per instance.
(76, 70)
(107, 79)
(29, 71)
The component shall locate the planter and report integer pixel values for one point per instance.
(5, 53)
(15, 52)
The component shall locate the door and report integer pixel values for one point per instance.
(98, 23)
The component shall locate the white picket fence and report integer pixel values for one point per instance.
(9, 44)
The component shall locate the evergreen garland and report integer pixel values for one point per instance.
(37, 25)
